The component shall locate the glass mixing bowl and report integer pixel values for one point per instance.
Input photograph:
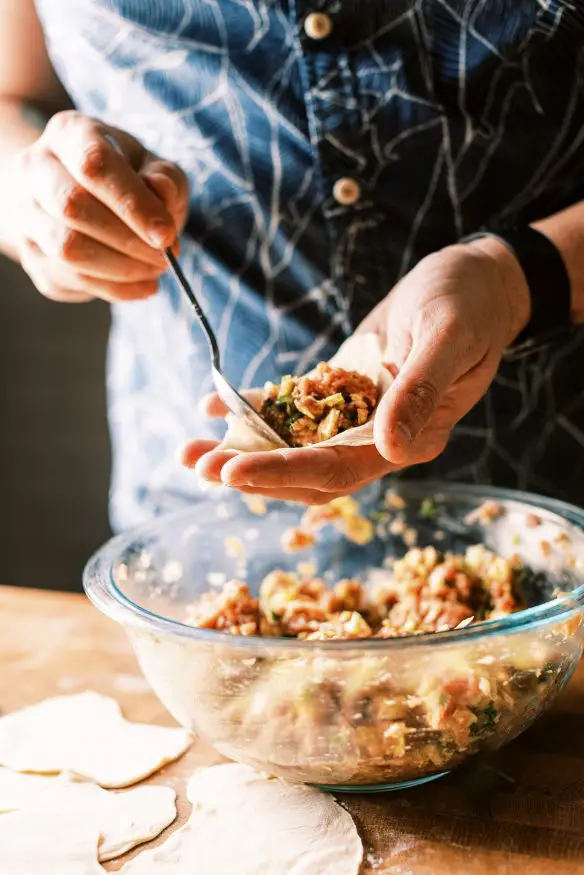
(355, 715)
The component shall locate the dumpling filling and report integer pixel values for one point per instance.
(314, 408)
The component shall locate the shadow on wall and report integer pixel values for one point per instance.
(54, 447)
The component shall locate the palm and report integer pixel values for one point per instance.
(443, 329)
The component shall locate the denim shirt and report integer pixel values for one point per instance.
(448, 116)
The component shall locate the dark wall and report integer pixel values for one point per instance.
(54, 450)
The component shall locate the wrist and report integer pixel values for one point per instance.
(513, 283)
(564, 231)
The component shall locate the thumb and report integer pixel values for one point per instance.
(429, 371)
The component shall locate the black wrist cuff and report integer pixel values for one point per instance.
(548, 283)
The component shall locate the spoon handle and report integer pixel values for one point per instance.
(186, 287)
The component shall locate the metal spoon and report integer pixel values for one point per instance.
(234, 402)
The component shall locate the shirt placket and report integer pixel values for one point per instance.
(336, 126)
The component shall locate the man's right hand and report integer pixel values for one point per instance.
(92, 222)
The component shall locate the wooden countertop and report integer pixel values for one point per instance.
(521, 814)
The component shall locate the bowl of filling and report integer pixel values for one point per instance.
(375, 642)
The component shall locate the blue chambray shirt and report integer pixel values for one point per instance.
(449, 116)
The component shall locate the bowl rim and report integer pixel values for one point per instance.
(104, 593)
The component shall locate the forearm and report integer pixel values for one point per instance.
(21, 125)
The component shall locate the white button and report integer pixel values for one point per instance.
(346, 191)
(317, 25)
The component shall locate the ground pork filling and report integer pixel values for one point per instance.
(316, 407)
(425, 591)
(368, 717)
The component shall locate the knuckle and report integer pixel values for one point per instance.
(129, 204)
(95, 161)
(50, 290)
(452, 329)
(74, 203)
(422, 397)
(59, 124)
(285, 473)
(67, 245)
(470, 336)
(24, 159)
(25, 253)
(176, 175)
(338, 475)
(31, 264)
(27, 162)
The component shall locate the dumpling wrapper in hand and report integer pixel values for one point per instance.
(360, 353)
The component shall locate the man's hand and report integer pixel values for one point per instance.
(443, 329)
(92, 221)
(310, 475)
(446, 326)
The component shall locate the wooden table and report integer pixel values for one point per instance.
(521, 814)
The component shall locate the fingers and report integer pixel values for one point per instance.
(74, 249)
(90, 224)
(326, 469)
(57, 281)
(208, 463)
(300, 496)
(213, 406)
(190, 454)
(80, 144)
(62, 198)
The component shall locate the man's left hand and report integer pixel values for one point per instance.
(443, 330)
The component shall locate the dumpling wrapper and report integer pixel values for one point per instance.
(122, 820)
(244, 822)
(86, 735)
(47, 844)
(361, 353)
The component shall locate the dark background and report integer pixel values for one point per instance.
(54, 446)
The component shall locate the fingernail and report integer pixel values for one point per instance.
(233, 481)
(233, 478)
(160, 233)
(403, 433)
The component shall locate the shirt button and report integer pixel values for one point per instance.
(317, 25)
(346, 191)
